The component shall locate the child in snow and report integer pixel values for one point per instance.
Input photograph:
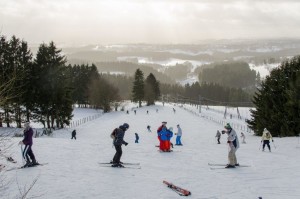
(148, 128)
(169, 136)
(74, 134)
(266, 137)
(137, 138)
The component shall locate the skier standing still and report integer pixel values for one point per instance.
(118, 141)
(233, 143)
(27, 151)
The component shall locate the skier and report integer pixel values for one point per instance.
(74, 134)
(161, 143)
(218, 136)
(163, 135)
(148, 128)
(243, 137)
(135, 112)
(27, 151)
(174, 110)
(118, 141)
(178, 137)
(266, 137)
(233, 142)
(137, 138)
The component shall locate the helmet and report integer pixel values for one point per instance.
(126, 126)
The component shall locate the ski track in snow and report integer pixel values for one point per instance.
(74, 172)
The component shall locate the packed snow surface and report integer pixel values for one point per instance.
(74, 171)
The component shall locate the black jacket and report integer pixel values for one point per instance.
(119, 137)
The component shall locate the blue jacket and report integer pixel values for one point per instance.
(165, 134)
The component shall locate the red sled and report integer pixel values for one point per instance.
(180, 191)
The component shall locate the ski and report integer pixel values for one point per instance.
(167, 151)
(124, 163)
(178, 190)
(124, 167)
(211, 164)
(22, 167)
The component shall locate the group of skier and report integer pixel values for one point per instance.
(164, 136)
(233, 143)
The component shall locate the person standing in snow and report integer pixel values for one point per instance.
(169, 136)
(148, 128)
(178, 137)
(27, 151)
(233, 143)
(266, 137)
(74, 134)
(159, 134)
(218, 136)
(118, 141)
(243, 137)
(137, 138)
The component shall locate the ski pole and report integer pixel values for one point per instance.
(274, 145)
(260, 146)
(23, 158)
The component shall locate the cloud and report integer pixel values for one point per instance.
(155, 21)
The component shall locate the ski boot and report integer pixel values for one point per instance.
(34, 163)
(229, 166)
(117, 165)
(28, 163)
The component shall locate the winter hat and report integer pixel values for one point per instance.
(266, 130)
(164, 122)
(227, 126)
(125, 126)
(27, 124)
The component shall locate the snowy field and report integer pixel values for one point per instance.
(73, 170)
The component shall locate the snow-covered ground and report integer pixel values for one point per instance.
(73, 170)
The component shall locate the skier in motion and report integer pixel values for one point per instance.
(27, 151)
(266, 137)
(118, 141)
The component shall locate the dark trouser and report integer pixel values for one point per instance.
(266, 142)
(118, 154)
(27, 152)
(219, 141)
(73, 136)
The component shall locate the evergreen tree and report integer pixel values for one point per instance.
(138, 87)
(54, 99)
(152, 91)
(277, 102)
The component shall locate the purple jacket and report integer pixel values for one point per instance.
(28, 137)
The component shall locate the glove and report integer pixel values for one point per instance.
(228, 141)
(272, 140)
(126, 144)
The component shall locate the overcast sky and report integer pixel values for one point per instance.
(147, 21)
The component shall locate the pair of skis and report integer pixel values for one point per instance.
(222, 166)
(127, 165)
(177, 189)
(22, 167)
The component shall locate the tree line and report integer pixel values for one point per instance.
(44, 88)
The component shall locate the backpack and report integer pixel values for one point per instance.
(113, 135)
